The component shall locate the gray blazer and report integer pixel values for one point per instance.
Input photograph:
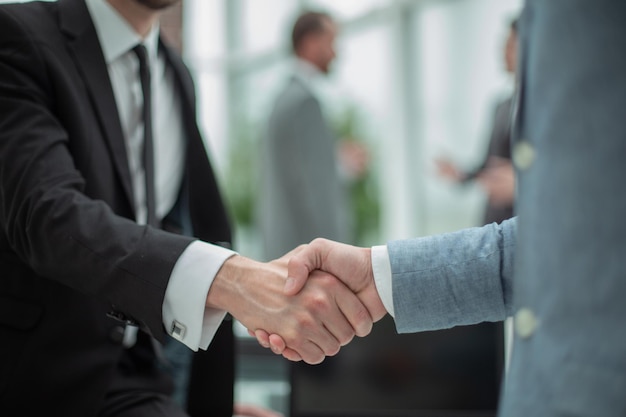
(560, 267)
(301, 196)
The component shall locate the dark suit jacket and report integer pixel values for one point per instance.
(70, 251)
(500, 146)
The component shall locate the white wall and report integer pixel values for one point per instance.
(425, 88)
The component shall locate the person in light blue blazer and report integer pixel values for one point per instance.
(559, 268)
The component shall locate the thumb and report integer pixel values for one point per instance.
(306, 259)
(298, 273)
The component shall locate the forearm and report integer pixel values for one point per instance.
(453, 279)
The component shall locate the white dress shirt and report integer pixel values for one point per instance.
(184, 314)
(309, 74)
(381, 267)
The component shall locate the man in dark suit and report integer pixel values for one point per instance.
(100, 196)
(495, 174)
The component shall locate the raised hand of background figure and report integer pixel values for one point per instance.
(498, 181)
(350, 264)
(354, 158)
(446, 169)
(251, 410)
(323, 316)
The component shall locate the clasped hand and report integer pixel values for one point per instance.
(328, 298)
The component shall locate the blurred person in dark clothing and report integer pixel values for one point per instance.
(496, 174)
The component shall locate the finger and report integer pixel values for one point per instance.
(277, 344)
(321, 341)
(337, 322)
(262, 337)
(310, 352)
(292, 355)
(249, 410)
(327, 325)
(300, 266)
(351, 316)
(298, 273)
(355, 312)
(310, 339)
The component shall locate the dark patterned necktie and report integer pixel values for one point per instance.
(148, 146)
(144, 351)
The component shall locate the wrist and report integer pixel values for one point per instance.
(382, 277)
(224, 287)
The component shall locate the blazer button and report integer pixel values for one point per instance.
(525, 323)
(523, 155)
(116, 335)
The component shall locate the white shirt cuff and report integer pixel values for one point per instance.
(381, 267)
(185, 315)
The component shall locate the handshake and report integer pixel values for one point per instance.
(305, 305)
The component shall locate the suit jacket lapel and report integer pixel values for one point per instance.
(208, 214)
(85, 47)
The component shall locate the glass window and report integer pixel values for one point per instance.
(458, 49)
(259, 89)
(348, 9)
(213, 114)
(265, 25)
(204, 30)
(362, 78)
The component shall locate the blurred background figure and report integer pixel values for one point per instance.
(495, 175)
(305, 168)
(411, 78)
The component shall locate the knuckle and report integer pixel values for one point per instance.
(332, 351)
(346, 338)
(306, 322)
(290, 337)
(327, 280)
(318, 302)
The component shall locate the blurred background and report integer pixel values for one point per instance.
(414, 79)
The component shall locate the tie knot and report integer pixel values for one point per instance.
(141, 51)
(144, 70)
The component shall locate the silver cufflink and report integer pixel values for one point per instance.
(178, 330)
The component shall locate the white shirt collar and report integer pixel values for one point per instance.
(116, 35)
(306, 71)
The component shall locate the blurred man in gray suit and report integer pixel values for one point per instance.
(559, 268)
(302, 194)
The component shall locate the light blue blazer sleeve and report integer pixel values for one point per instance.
(453, 279)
